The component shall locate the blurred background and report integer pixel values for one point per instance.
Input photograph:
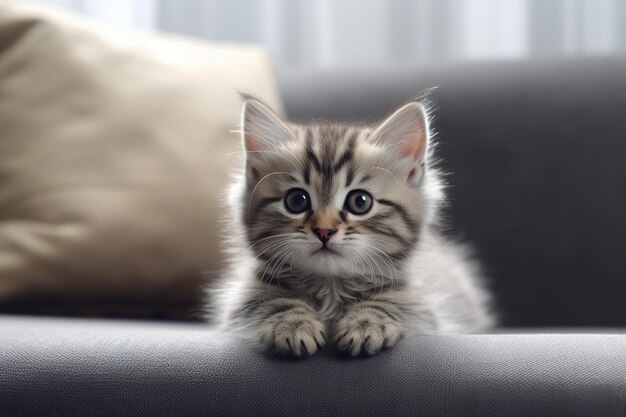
(355, 33)
(528, 115)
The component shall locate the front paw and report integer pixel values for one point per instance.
(366, 330)
(293, 335)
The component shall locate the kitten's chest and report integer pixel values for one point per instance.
(331, 295)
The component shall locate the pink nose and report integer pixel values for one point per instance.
(325, 234)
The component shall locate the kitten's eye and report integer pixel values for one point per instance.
(359, 202)
(297, 201)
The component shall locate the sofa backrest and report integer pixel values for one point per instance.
(537, 156)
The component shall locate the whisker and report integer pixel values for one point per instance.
(261, 180)
(384, 170)
(266, 264)
(256, 242)
(387, 262)
(382, 274)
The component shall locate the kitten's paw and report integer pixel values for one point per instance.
(293, 335)
(366, 331)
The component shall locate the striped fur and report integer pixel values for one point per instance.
(386, 273)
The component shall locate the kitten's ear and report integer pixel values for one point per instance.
(405, 133)
(262, 132)
(262, 129)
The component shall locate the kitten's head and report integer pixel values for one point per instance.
(336, 199)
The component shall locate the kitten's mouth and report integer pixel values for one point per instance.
(326, 251)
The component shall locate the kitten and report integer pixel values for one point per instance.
(341, 238)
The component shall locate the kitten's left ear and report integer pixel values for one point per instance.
(405, 132)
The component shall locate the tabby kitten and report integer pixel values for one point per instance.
(342, 246)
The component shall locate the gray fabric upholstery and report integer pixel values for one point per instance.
(536, 153)
(57, 367)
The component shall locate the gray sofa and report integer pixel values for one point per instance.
(536, 152)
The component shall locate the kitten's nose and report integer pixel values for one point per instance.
(325, 234)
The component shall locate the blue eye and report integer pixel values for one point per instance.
(297, 201)
(359, 202)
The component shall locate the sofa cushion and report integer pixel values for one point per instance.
(113, 158)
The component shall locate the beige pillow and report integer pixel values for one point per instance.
(113, 156)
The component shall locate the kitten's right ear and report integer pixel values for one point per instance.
(262, 132)
(262, 129)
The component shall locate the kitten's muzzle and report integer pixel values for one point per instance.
(324, 235)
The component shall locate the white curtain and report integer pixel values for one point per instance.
(349, 33)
